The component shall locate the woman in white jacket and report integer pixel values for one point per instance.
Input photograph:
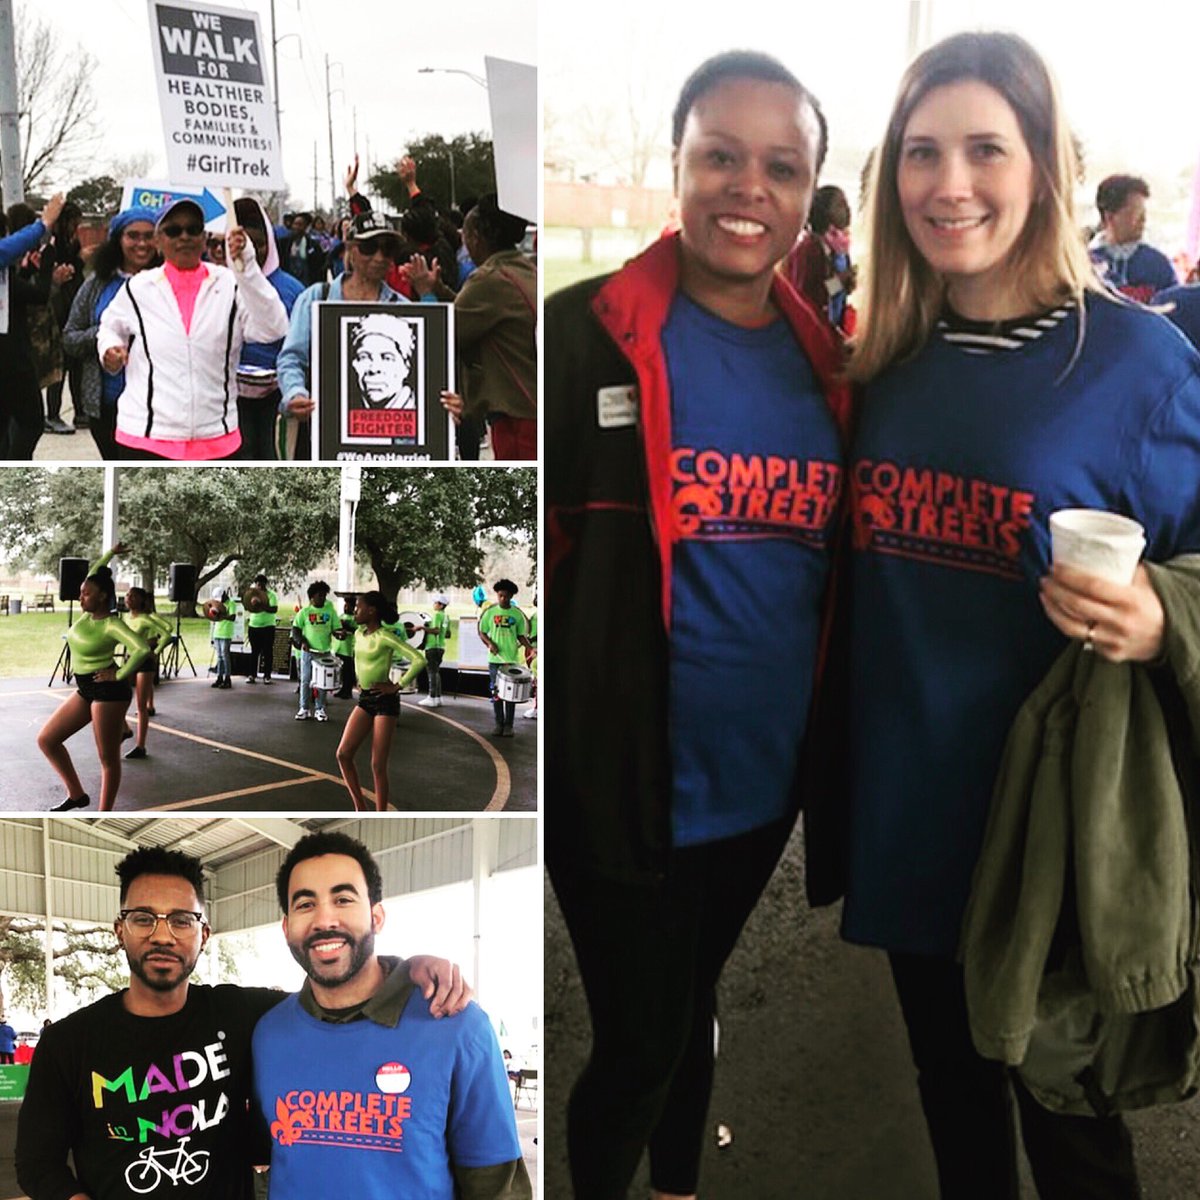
(178, 332)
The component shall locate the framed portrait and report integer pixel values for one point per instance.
(380, 370)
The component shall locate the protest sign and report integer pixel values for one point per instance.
(512, 96)
(217, 110)
(379, 371)
(157, 195)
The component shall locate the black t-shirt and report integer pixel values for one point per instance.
(152, 1106)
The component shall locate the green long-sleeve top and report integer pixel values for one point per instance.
(148, 625)
(373, 657)
(93, 641)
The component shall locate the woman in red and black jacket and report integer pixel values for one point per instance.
(694, 438)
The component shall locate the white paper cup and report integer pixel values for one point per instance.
(1101, 543)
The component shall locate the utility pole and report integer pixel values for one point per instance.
(11, 184)
(275, 81)
(314, 176)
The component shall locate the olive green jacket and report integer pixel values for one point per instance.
(1080, 938)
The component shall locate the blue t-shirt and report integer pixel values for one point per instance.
(958, 462)
(756, 473)
(1139, 276)
(364, 1111)
(1186, 313)
(264, 354)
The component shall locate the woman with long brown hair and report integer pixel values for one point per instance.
(1002, 382)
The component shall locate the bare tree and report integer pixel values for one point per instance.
(54, 95)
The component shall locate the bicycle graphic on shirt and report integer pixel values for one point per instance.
(146, 1172)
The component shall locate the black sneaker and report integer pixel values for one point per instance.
(251, 678)
(57, 425)
(137, 752)
(68, 804)
(218, 682)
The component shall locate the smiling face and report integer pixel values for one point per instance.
(162, 960)
(966, 187)
(380, 367)
(744, 173)
(137, 246)
(330, 924)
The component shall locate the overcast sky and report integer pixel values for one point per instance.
(1126, 72)
(381, 44)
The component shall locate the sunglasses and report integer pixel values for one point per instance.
(386, 246)
(173, 230)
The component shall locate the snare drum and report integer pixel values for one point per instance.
(326, 672)
(514, 683)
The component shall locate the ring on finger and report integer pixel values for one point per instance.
(1089, 642)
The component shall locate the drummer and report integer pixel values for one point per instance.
(222, 610)
(262, 604)
(343, 646)
(313, 630)
(258, 385)
(503, 629)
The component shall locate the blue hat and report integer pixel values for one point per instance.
(129, 215)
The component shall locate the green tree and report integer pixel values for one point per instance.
(279, 523)
(474, 171)
(423, 524)
(87, 957)
(100, 196)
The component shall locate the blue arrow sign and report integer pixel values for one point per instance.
(159, 195)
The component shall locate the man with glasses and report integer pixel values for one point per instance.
(147, 1089)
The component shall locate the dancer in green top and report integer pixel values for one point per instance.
(378, 706)
(153, 627)
(104, 692)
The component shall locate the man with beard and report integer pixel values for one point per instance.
(366, 1095)
(148, 1088)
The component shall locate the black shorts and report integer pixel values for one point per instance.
(380, 705)
(90, 690)
(149, 663)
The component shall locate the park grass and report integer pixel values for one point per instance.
(558, 273)
(30, 642)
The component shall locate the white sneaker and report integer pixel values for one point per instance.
(430, 702)
(303, 715)
(530, 712)
(322, 715)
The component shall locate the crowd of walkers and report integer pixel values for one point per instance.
(175, 342)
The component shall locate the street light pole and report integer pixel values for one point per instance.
(11, 184)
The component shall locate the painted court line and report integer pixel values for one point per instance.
(496, 803)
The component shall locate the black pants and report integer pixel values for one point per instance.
(256, 420)
(650, 956)
(262, 648)
(968, 1107)
(103, 430)
(21, 419)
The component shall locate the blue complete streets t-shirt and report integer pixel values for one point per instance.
(756, 473)
(958, 462)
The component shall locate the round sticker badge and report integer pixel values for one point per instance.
(393, 1078)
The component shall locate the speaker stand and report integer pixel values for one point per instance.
(169, 664)
(63, 665)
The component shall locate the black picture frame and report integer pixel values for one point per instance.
(379, 371)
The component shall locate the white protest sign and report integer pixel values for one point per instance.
(512, 95)
(3, 299)
(217, 111)
(155, 194)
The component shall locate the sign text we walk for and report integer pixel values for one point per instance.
(217, 108)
